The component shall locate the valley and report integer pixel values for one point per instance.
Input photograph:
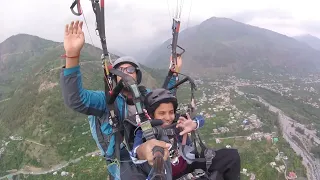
(258, 90)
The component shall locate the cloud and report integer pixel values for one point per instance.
(280, 21)
(137, 26)
(130, 26)
(248, 16)
(312, 27)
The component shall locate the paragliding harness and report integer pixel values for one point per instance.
(206, 154)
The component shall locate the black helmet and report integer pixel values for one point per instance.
(158, 96)
(130, 60)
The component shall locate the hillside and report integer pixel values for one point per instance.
(23, 43)
(312, 41)
(36, 128)
(224, 45)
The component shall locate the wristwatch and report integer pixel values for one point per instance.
(134, 152)
(196, 121)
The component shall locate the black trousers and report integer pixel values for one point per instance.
(226, 162)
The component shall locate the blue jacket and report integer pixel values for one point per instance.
(90, 102)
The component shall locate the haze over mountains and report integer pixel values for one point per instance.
(312, 41)
(225, 45)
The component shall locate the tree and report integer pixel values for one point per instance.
(316, 151)
(300, 130)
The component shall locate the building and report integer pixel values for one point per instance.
(292, 175)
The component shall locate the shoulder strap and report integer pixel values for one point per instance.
(143, 90)
(102, 138)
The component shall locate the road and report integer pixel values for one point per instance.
(312, 166)
(35, 142)
(5, 100)
(39, 171)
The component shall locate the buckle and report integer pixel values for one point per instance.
(198, 173)
(209, 155)
(147, 130)
(169, 132)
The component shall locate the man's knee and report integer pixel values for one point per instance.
(228, 156)
(234, 155)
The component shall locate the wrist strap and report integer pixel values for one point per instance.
(65, 56)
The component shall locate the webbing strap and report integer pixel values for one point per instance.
(206, 153)
(166, 132)
(197, 173)
(209, 154)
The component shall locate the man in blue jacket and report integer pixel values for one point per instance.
(92, 102)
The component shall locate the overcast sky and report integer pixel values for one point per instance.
(134, 25)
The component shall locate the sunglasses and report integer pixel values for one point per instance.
(129, 69)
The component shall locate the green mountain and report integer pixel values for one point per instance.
(31, 104)
(227, 46)
(312, 41)
(23, 42)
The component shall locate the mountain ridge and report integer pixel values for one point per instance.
(33, 107)
(227, 46)
(310, 40)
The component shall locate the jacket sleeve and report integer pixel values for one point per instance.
(85, 101)
(138, 140)
(200, 121)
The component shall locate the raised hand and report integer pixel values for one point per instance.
(186, 124)
(73, 39)
(145, 150)
(178, 65)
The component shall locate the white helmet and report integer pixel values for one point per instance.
(130, 60)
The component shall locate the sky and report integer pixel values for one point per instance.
(135, 26)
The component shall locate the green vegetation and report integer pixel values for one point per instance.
(87, 168)
(299, 111)
(256, 155)
(316, 151)
(51, 132)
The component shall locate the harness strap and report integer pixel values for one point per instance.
(164, 132)
(102, 138)
(76, 2)
(209, 154)
(197, 173)
(148, 134)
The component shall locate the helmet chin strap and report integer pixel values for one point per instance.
(130, 101)
(126, 92)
